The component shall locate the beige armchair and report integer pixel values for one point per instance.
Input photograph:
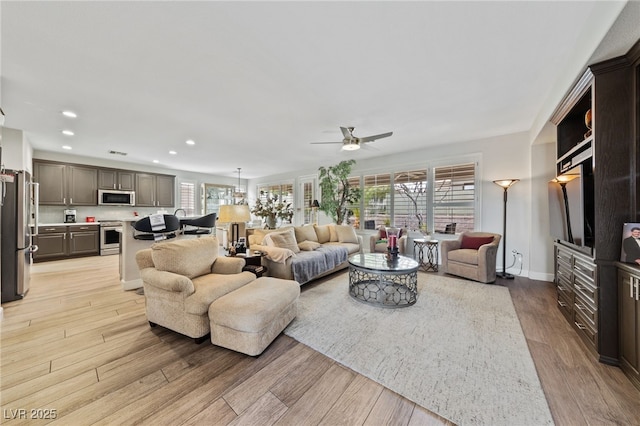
(182, 278)
(472, 255)
(376, 245)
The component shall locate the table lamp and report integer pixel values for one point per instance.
(233, 214)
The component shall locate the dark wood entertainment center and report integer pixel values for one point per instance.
(586, 275)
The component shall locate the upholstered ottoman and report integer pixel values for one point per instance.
(248, 319)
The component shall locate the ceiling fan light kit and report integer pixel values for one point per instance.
(351, 146)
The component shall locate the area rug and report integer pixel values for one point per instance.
(459, 351)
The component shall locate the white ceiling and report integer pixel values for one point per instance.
(254, 83)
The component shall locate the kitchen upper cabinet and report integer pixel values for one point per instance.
(155, 190)
(82, 185)
(52, 179)
(122, 180)
(66, 184)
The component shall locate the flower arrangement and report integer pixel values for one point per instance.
(270, 208)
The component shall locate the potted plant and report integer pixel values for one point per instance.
(336, 193)
(269, 208)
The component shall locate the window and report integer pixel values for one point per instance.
(283, 192)
(410, 199)
(188, 198)
(454, 197)
(376, 197)
(419, 199)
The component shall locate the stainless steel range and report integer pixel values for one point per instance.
(110, 232)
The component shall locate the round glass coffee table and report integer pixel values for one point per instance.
(377, 281)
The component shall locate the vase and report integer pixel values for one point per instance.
(271, 222)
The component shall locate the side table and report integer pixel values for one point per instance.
(253, 263)
(431, 263)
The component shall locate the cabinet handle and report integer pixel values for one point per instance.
(562, 303)
(84, 227)
(632, 287)
(71, 235)
(70, 200)
(580, 306)
(636, 285)
(580, 326)
(64, 200)
(53, 229)
(64, 236)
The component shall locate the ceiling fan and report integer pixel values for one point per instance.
(352, 143)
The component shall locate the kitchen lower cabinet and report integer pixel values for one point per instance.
(62, 242)
(51, 242)
(629, 321)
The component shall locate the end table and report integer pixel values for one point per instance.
(431, 263)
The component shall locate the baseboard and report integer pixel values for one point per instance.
(541, 276)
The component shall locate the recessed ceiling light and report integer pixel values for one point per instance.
(190, 142)
(69, 114)
(172, 152)
(156, 161)
(68, 132)
(66, 147)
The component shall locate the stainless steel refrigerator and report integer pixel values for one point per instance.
(19, 218)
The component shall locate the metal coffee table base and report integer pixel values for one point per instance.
(388, 290)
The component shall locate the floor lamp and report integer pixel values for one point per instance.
(234, 214)
(505, 184)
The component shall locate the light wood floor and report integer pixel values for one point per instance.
(81, 346)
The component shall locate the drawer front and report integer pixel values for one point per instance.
(84, 228)
(565, 304)
(585, 268)
(585, 288)
(52, 229)
(586, 309)
(585, 329)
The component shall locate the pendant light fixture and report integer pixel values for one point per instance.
(238, 193)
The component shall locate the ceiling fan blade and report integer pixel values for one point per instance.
(347, 132)
(375, 137)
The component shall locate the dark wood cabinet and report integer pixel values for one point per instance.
(51, 242)
(577, 292)
(155, 190)
(60, 242)
(629, 320)
(609, 154)
(84, 240)
(66, 184)
(82, 185)
(52, 179)
(122, 180)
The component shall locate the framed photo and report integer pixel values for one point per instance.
(630, 252)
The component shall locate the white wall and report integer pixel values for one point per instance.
(501, 157)
(16, 150)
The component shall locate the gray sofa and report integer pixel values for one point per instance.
(305, 253)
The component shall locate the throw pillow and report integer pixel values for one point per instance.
(383, 233)
(309, 245)
(323, 233)
(286, 240)
(191, 258)
(305, 233)
(346, 234)
(333, 235)
(474, 243)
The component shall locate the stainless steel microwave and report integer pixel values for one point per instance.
(110, 197)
